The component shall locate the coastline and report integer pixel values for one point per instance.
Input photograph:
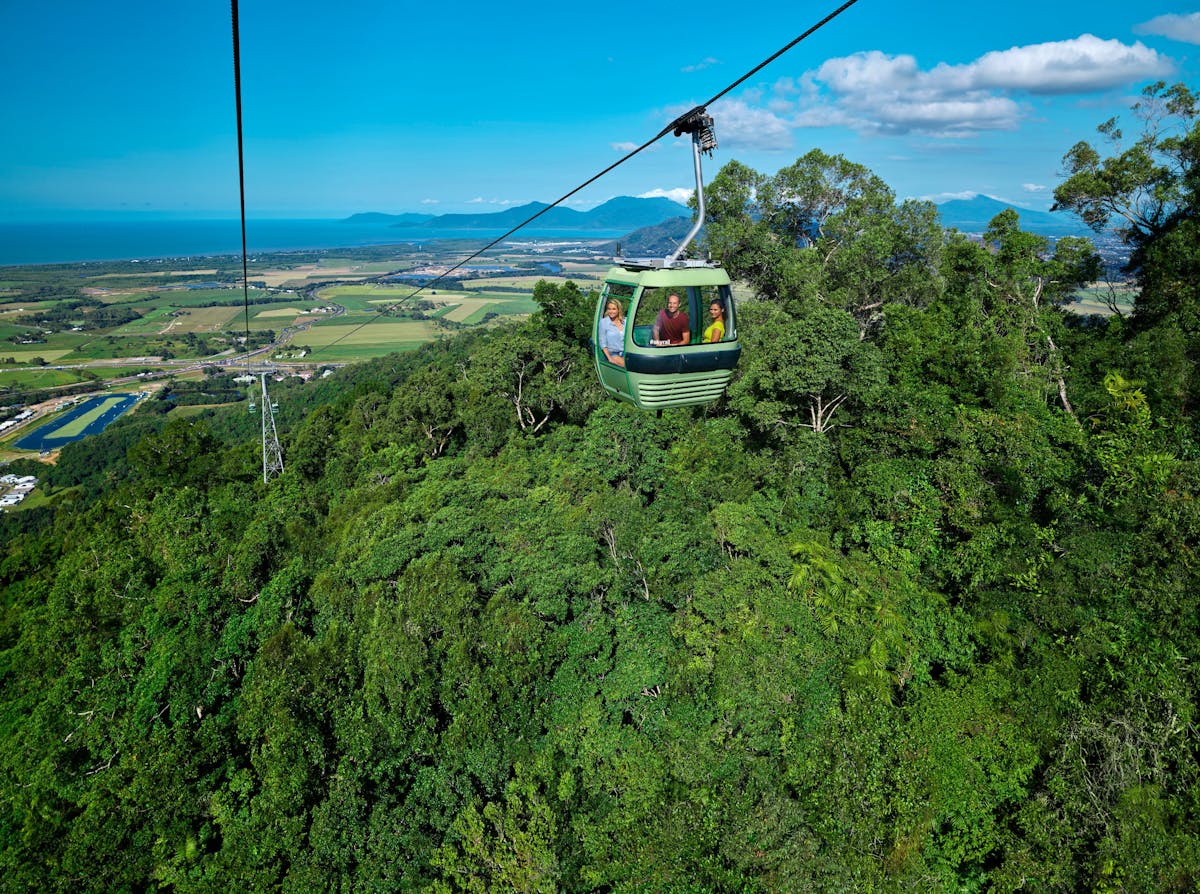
(42, 243)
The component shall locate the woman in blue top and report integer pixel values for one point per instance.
(612, 332)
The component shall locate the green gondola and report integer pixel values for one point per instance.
(653, 372)
(665, 333)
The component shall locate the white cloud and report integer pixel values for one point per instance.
(430, 201)
(876, 92)
(740, 124)
(1184, 28)
(624, 147)
(1083, 65)
(480, 200)
(679, 194)
(940, 197)
(1034, 187)
(700, 66)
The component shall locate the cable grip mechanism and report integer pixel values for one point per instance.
(699, 124)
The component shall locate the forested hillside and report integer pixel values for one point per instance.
(915, 608)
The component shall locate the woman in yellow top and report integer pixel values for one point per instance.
(716, 330)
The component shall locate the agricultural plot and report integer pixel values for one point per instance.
(366, 299)
(350, 342)
(510, 304)
(9, 330)
(472, 310)
(37, 378)
(337, 266)
(152, 322)
(204, 319)
(140, 301)
(326, 269)
(154, 274)
(266, 316)
(27, 353)
(593, 269)
(468, 307)
(49, 377)
(1098, 298)
(110, 347)
(193, 297)
(525, 283)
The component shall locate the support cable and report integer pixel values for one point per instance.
(237, 89)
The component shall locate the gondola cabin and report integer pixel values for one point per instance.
(665, 333)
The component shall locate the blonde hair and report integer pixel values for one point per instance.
(620, 309)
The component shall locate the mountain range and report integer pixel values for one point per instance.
(621, 213)
(626, 213)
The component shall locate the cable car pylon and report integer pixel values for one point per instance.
(272, 453)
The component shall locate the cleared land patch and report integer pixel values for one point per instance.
(141, 274)
(525, 283)
(372, 340)
(1098, 298)
(306, 273)
(206, 319)
(28, 355)
(38, 378)
(467, 307)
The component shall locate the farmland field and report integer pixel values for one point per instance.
(48, 377)
(37, 378)
(468, 307)
(202, 319)
(1096, 298)
(346, 342)
(26, 353)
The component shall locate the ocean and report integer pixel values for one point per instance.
(78, 242)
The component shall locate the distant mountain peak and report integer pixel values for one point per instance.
(972, 215)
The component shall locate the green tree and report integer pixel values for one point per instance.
(1151, 190)
(824, 229)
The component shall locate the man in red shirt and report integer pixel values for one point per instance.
(672, 327)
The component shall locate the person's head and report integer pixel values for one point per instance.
(613, 310)
(716, 309)
(672, 303)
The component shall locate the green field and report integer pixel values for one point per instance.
(1098, 298)
(37, 378)
(349, 342)
(25, 354)
(366, 299)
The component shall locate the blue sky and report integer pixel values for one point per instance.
(367, 105)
